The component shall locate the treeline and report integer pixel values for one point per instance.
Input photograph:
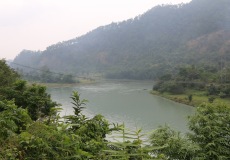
(31, 128)
(209, 79)
(44, 75)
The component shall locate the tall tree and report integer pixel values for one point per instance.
(7, 74)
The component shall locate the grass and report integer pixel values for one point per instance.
(198, 97)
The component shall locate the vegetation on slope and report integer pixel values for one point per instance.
(146, 47)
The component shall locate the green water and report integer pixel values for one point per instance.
(126, 101)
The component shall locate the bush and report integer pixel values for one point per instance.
(31, 97)
(190, 98)
(172, 87)
(211, 99)
(213, 90)
(211, 131)
(175, 88)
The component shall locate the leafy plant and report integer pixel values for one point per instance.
(175, 146)
(13, 120)
(92, 132)
(211, 131)
(130, 145)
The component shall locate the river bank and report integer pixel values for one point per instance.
(198, 97)
(79, 81)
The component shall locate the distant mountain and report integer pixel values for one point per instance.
(152, 44)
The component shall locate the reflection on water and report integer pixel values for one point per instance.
(126, 101)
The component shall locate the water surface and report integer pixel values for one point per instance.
(126, 101)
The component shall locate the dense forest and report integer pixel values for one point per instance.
(155, 43)
(31, 128)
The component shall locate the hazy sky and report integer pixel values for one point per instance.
(36, 24)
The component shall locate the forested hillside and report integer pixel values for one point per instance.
(157, 42)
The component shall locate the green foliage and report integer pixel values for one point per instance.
(78, 137)
(7, 75)
(92, 132)
(77, 103)
(67, 79)
(13, 120)
(213, 90)
(188, 77)
(190, 98)
(78, 118)
(130, 145)
(221, 90)
(211, 131)
(9, 149)
(175, 146)
(193, 78)
(171, 87)
(44, 75)
(32, 129)
(211, 99)
(189, 73)
(31, 97)
(166, 77)
(208, 139)
(47, 142)
(23, 139)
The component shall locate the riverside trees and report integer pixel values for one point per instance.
(209, 136)
(32, 129)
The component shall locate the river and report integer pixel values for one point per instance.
(125, 101)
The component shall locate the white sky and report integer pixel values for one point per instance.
(36, 24)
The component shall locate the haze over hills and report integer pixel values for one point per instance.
(146, 47)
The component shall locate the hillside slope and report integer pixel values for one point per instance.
(159, 41)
